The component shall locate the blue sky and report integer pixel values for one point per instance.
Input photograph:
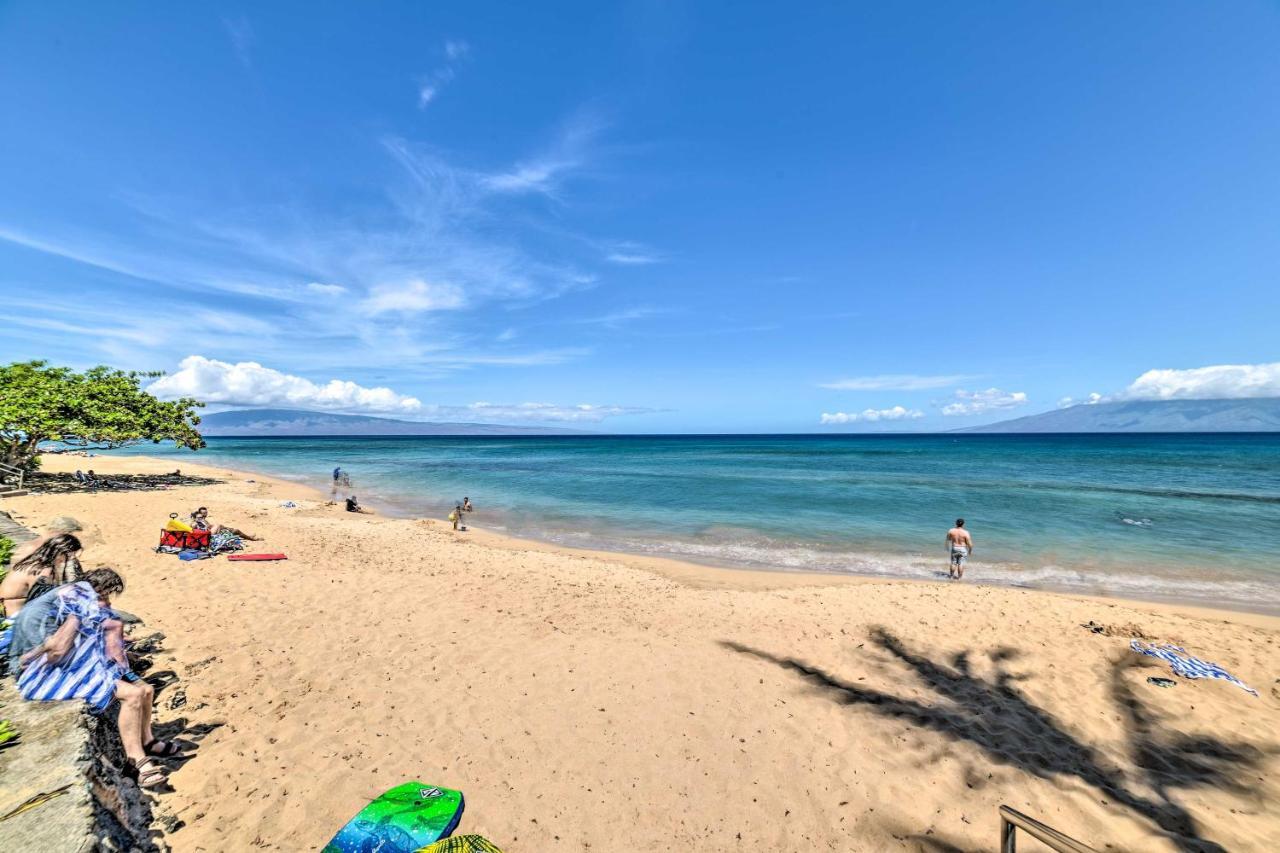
(648, 216)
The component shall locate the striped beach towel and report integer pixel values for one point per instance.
(1187, 666)
(86, 673)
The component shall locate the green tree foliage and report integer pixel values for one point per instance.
(98, 409)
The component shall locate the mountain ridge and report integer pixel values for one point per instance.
(1258, 414)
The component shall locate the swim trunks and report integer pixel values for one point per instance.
(959, 554)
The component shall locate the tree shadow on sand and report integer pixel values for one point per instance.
(997, 718)
(62, 484)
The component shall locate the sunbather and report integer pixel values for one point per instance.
(55, 562)
(74, 659)
(200, 521)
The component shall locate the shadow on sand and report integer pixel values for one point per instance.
(997, 718)
(61, 484)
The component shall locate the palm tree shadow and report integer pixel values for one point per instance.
(997, 718)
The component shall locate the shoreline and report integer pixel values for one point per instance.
(694, 571)
(601, 701)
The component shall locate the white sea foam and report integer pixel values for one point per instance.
(755, 551)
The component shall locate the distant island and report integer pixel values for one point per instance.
(1248, 415)
(299, 422)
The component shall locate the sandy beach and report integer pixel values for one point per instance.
(587, 701)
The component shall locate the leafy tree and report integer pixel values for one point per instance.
(98, 409)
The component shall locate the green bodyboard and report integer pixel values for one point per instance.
(403, 820)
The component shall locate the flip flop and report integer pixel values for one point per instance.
(162, 748)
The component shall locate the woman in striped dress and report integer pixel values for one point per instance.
(74, 662)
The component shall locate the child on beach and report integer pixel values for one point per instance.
(456, 518)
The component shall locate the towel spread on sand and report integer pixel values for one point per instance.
(86, 673)
(1186, 665)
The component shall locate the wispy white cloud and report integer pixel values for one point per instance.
(980, 402)
(412, 297)
(535, 412)
(1220, 381)
(543, 173)
(896, 413)
(240, 32)
(630, 259)
(326, 289)
(429, 85)
(248, 383)
(614, 319)
(895, 382)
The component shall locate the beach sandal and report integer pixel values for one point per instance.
(147, 773)
(162, 748)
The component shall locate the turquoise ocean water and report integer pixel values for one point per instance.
(1185, 517)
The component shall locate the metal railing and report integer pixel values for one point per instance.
(8, 472)
(1012, 820)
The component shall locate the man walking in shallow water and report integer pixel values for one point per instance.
(960, 544)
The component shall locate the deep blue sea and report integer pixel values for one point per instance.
(1185, 517)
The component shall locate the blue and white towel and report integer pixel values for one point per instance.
(86, 673)
(1186, 665)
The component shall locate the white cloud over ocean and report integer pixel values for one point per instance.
(248, 383)
(1220, 382)
(981, 402)
(895, 413)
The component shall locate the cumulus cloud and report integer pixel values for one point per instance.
(248, 383)
(894, 382)
(412, 297)
(539, 412)
(1216, 382)
(1092, 400)
(980, 402)
(896, 413)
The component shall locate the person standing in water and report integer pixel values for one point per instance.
(960, 544)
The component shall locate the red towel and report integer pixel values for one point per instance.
(257, 557)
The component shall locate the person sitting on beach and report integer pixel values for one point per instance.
(80, 477)
(200, 521)
(61, 650)
(54, 563)
(466, 505)
(353, 505)
(960, 544)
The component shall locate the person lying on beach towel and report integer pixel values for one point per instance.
(55, 562)
(200, 521)
(73, 659)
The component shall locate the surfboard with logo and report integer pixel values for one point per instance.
(404, 819)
